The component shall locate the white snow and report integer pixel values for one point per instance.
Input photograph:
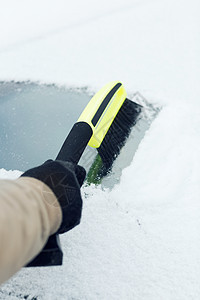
(11, 174)
(142, 239)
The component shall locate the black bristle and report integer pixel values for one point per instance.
(118, 132)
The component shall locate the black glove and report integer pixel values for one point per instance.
(65, 180)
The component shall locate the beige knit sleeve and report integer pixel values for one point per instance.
(29, 213)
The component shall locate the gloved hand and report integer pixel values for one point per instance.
(65, 180)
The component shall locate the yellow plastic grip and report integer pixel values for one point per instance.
(100, 115)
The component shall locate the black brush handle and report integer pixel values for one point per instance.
(75, 143)
(71, 150)
(51, 254)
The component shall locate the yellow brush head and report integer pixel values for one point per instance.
(102, 110)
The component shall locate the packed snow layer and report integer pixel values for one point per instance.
(152, 46)
(11, 174)
(142, 239)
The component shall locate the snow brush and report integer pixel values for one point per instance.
(104, 124)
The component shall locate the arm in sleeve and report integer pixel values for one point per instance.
(29, 214)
